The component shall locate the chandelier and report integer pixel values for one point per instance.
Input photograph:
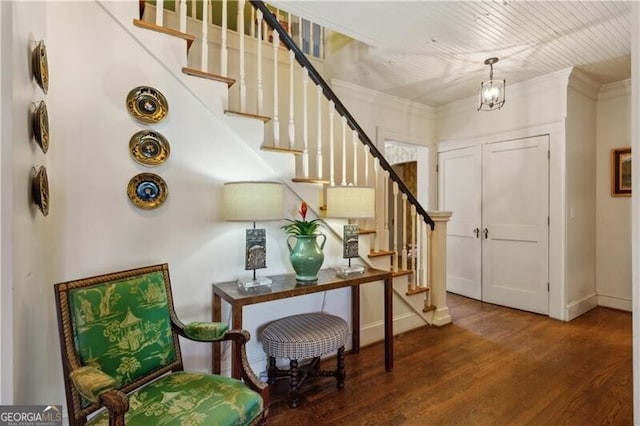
(491, 92)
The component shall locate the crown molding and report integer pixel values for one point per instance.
(383, 99)
(615, 90)
(582, 83)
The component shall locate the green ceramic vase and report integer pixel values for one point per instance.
(306, 255)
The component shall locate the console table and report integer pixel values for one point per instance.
(285, 286)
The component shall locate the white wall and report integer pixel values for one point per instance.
(581, 204)
(6, 215)
(613, 214)
(32, 296)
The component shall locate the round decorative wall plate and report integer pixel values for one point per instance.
(147, 104)
(147, 191)
(40, 189)
(149, 148)
(40, 66)
(40, 126)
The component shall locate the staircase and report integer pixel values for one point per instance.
(277, 85)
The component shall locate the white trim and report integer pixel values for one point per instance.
(574, 310)
(614, 302)
(374, 331)
(382, 99)
(635, 203)
(615, 90)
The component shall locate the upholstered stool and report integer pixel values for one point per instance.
(304, 336)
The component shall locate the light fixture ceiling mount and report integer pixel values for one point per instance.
(492, 92)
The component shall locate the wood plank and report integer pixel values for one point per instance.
(311, 180)
(381, 253)
(211, 76)
(281, 150)
(153, 27)
(262, 118)
(492, 366)
(417, 290)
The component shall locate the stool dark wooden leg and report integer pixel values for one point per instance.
(293, 383)
(272, 371)
(340, 375)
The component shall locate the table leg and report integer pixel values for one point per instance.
(355, 319)
(236, 316)
(216, 357)
(388, 323)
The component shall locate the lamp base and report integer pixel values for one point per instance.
(347, 271)
(255, 285)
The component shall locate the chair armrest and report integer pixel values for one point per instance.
(92, 382)
(240, 338)
(99, 387)
(205, 331)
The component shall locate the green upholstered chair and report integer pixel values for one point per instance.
(119, 338)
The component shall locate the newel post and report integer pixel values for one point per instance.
(438, 252)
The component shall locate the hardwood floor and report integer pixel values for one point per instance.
(492, 366)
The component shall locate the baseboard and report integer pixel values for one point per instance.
(615, 302)
(578, 308)
(374, 332)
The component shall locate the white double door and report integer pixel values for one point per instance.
(498, 236)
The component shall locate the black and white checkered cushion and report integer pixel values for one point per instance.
(304, 336)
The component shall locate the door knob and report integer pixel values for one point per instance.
(477, 232)
(486, 233)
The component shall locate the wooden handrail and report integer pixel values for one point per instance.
(302, 59)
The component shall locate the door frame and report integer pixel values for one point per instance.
(557, 200)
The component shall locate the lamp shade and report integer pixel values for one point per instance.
(253, 201)
(351, 202)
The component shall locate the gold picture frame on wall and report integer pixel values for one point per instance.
(621, 172)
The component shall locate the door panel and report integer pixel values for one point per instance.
(515, 265)
(459, 177)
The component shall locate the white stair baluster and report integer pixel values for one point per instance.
(394, 203)
(292, 126)
(252, 29)
(305, 124)
(183, 16)
(276, 120)
(243, 83)
(319, 165)
(367, 158)
(378, 221)
(223, 41)
(413, 248)
(260, 100)
(354, 137)
(404, 231)
(332, 113)
(385, 210)
(159, 12)
(205, 36)
(344, 151)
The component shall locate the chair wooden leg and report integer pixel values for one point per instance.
(340, 375)
(272, 371)
(293, 383)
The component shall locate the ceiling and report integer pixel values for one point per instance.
(433, 52)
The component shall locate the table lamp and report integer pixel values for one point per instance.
(350, 202)
(254, 202)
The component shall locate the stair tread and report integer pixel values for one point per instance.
(281, 150)
(381, 253)
(262, 118)
(211, 76)
(366, 231)
(428, 308)
(311, 180)
(401, 272)
(153, 27)
(417, 290)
